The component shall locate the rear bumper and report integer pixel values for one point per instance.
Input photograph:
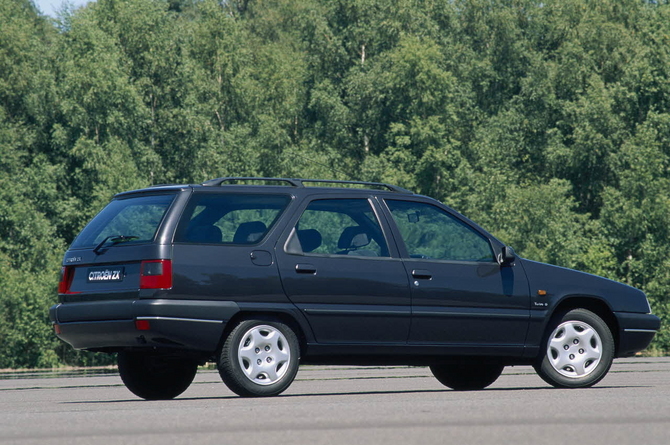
(112, 325)
(636, 331)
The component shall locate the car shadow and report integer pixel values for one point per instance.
(359, 393)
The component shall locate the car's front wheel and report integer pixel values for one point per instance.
(154, 376)
(259, 358)
(578, 351)
(467, 376)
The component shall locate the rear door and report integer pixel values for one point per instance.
(461, 296)
(223, 244)
(337, 267)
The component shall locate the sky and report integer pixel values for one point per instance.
(50, 7)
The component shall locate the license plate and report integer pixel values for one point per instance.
(105, 274)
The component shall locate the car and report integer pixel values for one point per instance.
(260, 275)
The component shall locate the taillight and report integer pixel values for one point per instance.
(66, 276)
(156, 274)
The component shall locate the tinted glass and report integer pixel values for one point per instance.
(341, 227)
(229, 218)
(131, 217)
(430, 232)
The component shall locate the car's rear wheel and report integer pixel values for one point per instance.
(467, 376)
(259, 358)
(578, 351)
(154, 376)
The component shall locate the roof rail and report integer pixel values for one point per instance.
(393, 188)
(295, 182)
(221, 181)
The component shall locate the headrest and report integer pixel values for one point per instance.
(353, 237)
(310, 239)
(204, 234)
(249, 232)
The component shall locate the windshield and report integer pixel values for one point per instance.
(133, 220)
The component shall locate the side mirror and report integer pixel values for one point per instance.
(507, 256)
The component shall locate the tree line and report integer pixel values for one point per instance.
(548, 122)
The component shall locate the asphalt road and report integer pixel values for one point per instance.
(343, 405)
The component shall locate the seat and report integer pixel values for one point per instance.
(310, 239)
(351, 239)
(249, 232)
(208, 234)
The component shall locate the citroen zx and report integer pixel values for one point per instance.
(261, 274)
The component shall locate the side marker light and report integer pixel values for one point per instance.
(142, 325)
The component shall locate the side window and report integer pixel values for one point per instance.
(430, 232)
(339, 227)
(229, 218)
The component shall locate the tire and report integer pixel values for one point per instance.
(467, 376)
(577, 352)
(259, 358)
(154, 376)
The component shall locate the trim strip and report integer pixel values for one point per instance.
(180, 319)
(470, 314)
(355, 312)
(641, 330)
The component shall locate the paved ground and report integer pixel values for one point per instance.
(343, 405)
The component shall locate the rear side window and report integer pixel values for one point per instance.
(340, 227)
(137, 218)
(229, 218)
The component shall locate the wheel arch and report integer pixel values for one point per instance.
(282, 317)
(590, 303)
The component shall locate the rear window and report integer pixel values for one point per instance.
(229, 218)
(136, 218)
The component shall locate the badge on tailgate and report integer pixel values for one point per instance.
(105, 274)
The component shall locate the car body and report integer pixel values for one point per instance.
(260, 278)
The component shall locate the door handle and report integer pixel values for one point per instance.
(422, 274)
(305, 268)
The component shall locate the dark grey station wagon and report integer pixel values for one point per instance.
(262, 274)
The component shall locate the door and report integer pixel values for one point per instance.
(221, 249)
(461, 296)
(337, 268)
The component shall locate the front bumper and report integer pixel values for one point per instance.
(165, 323)
(636, 331)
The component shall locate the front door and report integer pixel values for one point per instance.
(461, 296)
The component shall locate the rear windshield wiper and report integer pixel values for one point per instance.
(114, 239)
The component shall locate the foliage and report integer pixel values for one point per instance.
(546, 121)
